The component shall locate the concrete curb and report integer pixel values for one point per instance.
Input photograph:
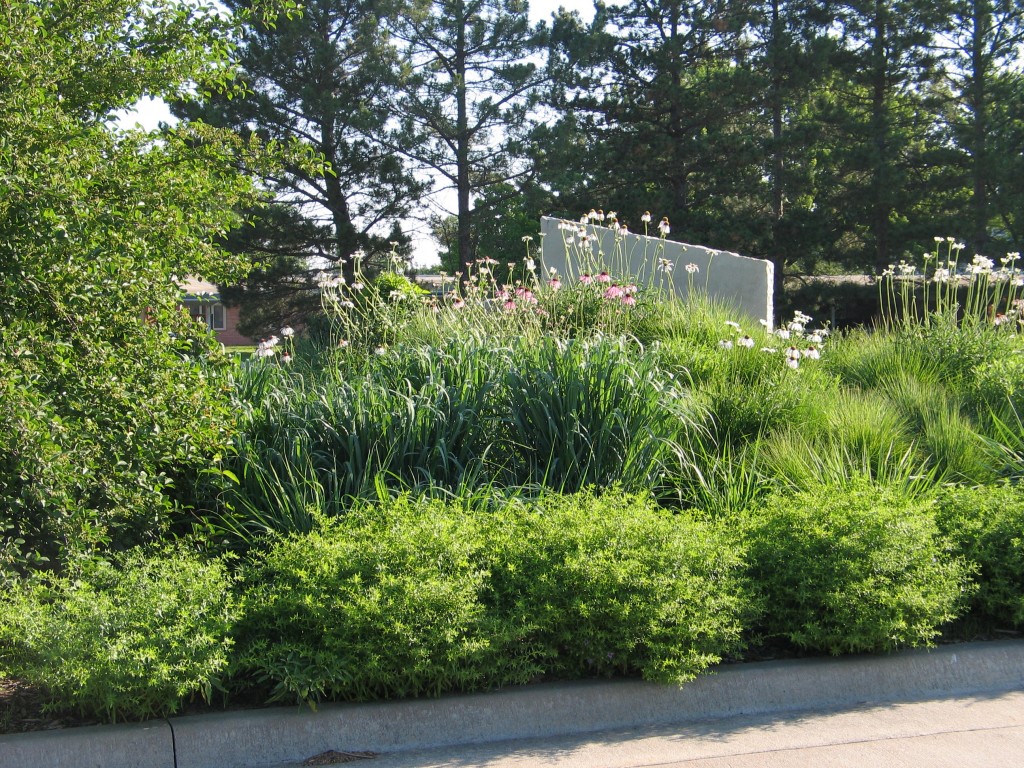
(263, 738)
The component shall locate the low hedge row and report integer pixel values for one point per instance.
(421, 597)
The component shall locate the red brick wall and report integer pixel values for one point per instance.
(230, 336)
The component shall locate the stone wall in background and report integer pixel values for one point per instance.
(740, 281)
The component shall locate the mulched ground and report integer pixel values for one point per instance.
(21, 710)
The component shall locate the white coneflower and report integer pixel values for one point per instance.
(665, 265)
(782, 333)
(646, 218)
(357, 286)
(745, 341)
(812, 353)
(287, 331)
(733, 324)
(816, 338)
(769, 350)
(531, 264)
(527, 238)
(691, 268)
(663, 226)
(981, 265)
(725, 344)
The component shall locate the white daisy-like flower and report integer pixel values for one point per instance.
(646, 218)
(691, 268)
(725, 344)
(733, 324)
(663, 226)
(745, 341)
(287, 331)
(812, 353)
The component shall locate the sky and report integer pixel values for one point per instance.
(149, 113)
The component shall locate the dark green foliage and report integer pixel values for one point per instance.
(853, 569)
(129, 639)
(426, 597)
(987, 526)
(596, 412)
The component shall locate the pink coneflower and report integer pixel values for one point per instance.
(554, 284)
(604, 277)
(629, 300)
(614, 292)
(509, 305)
(526, 295)
(458, 304)
(586, 278)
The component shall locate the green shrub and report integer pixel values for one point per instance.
(853, 569)
(130, 639)
(603, 585)
(422, 597)
(987, 525)
(382, 603)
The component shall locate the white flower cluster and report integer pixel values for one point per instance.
(804, 344)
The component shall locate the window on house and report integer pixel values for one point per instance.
(217, 317)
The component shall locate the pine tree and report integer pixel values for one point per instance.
(465, 107)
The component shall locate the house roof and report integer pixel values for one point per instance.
(197, 289)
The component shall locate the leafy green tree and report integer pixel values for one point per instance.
(105, 409)
(465, 106)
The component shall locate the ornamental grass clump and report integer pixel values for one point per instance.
(853, 569)
(597, 412)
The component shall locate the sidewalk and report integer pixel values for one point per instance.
(952, 702)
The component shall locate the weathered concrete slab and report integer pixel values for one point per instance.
(273, 737)
(276, 737)
(146, 745)
(741, 281)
